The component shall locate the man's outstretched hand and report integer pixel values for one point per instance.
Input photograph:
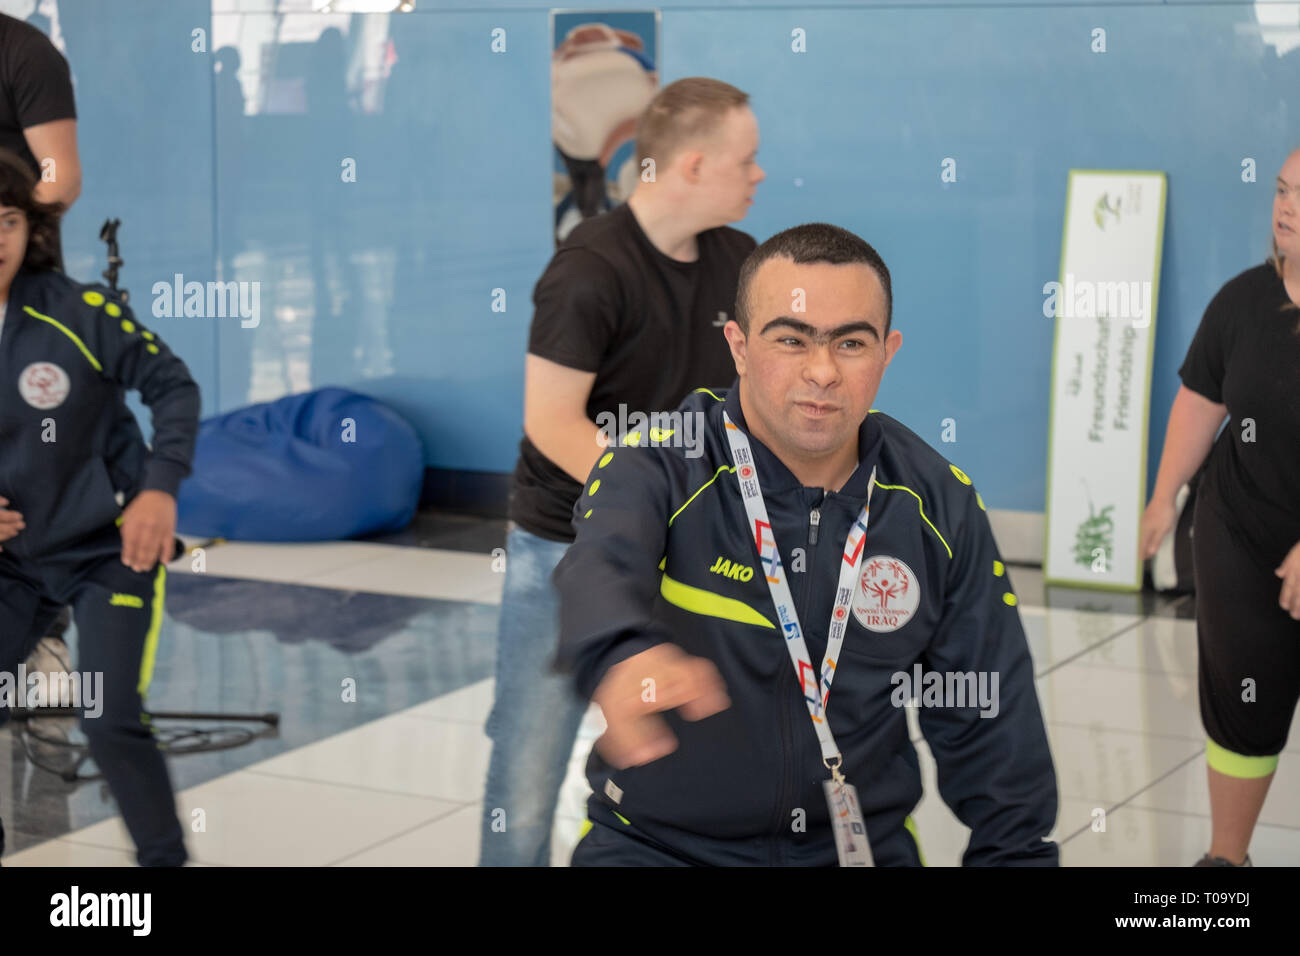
(637, 689)
(148, 530)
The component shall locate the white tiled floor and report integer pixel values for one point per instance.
(1118, 694)
(356, 566)
(1136, 837)
(396, 754)
(254, 819)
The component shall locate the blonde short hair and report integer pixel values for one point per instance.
(683, 111)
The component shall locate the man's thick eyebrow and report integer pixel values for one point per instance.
(805, 329)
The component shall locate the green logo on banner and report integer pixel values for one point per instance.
(1103, 208)
(1094, 539)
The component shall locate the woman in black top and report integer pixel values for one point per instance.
(1243, 364)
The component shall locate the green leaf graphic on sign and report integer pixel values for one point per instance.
(1104, 208)
(1095, 533)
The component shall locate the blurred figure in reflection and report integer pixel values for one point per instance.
(237, 342)
(333, 138)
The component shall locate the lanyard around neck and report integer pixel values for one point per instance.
(816, 691)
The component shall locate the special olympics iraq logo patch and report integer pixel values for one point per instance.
(887, 594)
(44, 385)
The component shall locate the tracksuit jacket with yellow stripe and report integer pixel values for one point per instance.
(664, 553)
(62, 466)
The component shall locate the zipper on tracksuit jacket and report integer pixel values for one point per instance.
(789, 748)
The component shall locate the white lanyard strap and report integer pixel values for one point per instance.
(816, 691)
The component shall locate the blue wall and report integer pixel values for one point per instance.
(385, 284)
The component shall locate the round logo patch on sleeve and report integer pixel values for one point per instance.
(887, 594)
(44, 385)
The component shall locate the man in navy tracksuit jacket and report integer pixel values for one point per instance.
(87, 510)
(663, 589)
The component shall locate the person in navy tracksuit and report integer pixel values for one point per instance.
(668, 623)
(87, 510)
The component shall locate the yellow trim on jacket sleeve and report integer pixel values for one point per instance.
(721, 469)
(68, 332)
(921, 508)
(708, 604)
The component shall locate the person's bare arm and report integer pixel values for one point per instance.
(57, 141)
(1193, 422)
(555, 415)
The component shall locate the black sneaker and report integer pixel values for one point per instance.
(1208, 860)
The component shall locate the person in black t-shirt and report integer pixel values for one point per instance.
(1244, 363)
(628, 319)
(38, 115)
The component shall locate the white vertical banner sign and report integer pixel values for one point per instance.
(1105, 309)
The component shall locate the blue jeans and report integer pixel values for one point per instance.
(535, 715)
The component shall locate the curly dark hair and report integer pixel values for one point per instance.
(18, 190)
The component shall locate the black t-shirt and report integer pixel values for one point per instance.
(35, 85)
(650, 327)
(1246, 355)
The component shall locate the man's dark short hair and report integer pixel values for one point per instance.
(814, 242)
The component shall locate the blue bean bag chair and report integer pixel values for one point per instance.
(319, 466)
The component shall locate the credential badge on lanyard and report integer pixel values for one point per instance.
(841, 797)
